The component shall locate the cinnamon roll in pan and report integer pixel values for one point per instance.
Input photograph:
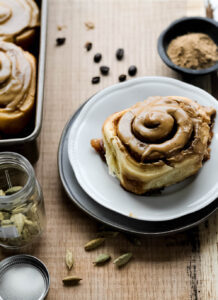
(18, 21)
(158, 142)
(17, 88)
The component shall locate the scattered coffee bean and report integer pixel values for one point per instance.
(97, 57)
(60, 41)
(122, 77)
(104, 70)
(88, 46)
(120, 54)
(95, 80)
(132, 70)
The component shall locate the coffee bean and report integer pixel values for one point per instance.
(60, 41)
(120, 54)
(88, 46)
(95, 80)
(132, 70)
(104, 70)
(122, 77)
(97, 57)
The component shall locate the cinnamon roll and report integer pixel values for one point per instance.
(18, 20)
(158, 142)
(17, 87)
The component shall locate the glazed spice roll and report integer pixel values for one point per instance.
(158, 142)
(17, 88)
(18, 20)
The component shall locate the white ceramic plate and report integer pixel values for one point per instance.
(92, 174)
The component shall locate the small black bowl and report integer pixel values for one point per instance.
(183, 26)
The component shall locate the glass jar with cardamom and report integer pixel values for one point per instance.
(22, 213)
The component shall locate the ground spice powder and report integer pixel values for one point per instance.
(193, 51)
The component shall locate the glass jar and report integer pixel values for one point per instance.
(22, 213)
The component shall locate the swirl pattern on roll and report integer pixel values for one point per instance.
(158, 127)
(17, 87)
(17, 19)
(158, 142)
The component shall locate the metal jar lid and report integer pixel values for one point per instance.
(23, 277)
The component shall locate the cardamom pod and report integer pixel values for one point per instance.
(71, 280)
(26, 235)
(102, 259)
(69, 259)
(94, 244)
(134, 240)
(13, 190)
(2, 193)
(6, 223)
(1, 216)
(23, 208)
(108, 234)
(123, 259)
(5, 215)
(32, 227)
(19, 220)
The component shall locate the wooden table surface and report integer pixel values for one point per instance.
(182, 266)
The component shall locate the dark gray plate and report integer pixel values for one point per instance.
(100, 213)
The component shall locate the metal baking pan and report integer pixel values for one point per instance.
(38, 49)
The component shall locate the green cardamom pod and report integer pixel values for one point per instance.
(2, 193)
(108, 234)
(6, 223)
(13, 190)
(102, 259)
(94, 244)
(134, 240)
(19, 221)
(71, 280)
(4, 215)
(69, 259)
(123, 259)
(1, 216)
